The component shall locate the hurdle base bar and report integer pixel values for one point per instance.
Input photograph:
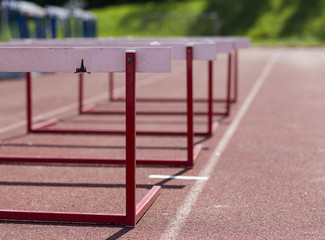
(167, 100)
(41, 128)
(77, 217)
(90, 109)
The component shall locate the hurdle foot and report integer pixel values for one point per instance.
(44, 124)
(146, 203)
(88, 108)
(197, 149)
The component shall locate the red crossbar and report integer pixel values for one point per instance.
(62, 216)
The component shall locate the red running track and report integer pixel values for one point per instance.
(267, 184)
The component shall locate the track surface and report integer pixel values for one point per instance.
(265, 164)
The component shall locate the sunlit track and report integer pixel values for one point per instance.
(183, 211)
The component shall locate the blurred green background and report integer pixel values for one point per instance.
(289, 22)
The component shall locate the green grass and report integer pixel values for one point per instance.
(139, 19)
(269, 22)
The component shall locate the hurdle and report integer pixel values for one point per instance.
(239, 43)
(188, 51)
(199, 51)
(225, 45)
(67, 59)
(220, 46)
(193, 150)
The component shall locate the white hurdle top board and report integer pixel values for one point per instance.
(95, 59)
(201, 50)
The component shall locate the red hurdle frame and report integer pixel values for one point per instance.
(133, 212)
(192, 151)
(231, 91)
(211, 125)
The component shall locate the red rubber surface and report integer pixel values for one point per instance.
(268, 184)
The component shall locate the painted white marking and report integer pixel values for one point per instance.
(98, 97)
(179, 177)
(220, 206)
(175, 225)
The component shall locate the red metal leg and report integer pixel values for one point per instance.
(81, 83)
(29, 101)
(111, 86)
(229, 77)
(236, 76)
(210, 97)
(130, 139)
(189, 77)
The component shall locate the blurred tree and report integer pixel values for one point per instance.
(94, 3)
(236, 17)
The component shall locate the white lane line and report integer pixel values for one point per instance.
(99, 97)
(175, 225)
(179, 177)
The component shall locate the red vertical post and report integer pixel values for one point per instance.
(236, 76)
(130, 139)
(210, 96)
(81, 83)
(29, 101)
(111, 86)
(189, 77)
(228, 94)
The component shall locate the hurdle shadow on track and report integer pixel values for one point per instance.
(94, 146)
(5, 142)
(117, 235)
(97, 185)
(167, 120)
(85, 185)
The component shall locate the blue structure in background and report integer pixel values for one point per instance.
(59, 20)
(25, 19)
(28, 20)
(85, 23)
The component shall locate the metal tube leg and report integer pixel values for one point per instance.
(210, 94)
(111, 86)
(80, 92)
(228, 94)
(236, 76)
(29, 101)
(130, 139)
(189, 76)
